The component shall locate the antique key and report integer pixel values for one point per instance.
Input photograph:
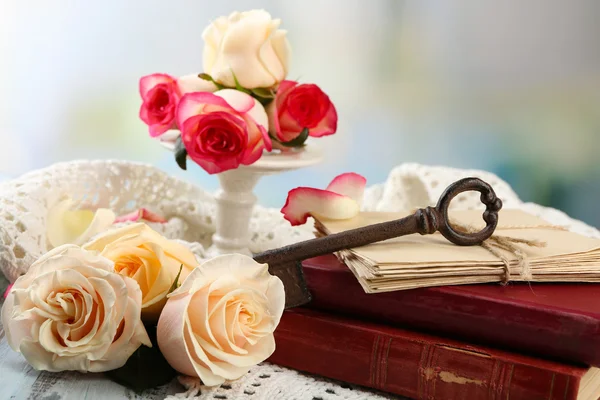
(286, 262)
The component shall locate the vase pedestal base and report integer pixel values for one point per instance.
(235, 199)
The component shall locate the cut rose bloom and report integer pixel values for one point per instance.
(297, 107)
(246, 46)
(71, 312)
(341, 200)
(224, 129)
(149, 259)
(65, 225)
(220, 322)
(160, 95)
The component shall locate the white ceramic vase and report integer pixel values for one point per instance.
(235, 199)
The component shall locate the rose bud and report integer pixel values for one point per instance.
(299, 108)
(246, 47)
(160, 96)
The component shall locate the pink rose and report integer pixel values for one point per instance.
(298, 107)
(222, 130)
(161, 94)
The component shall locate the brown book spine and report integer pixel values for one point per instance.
(415, 365)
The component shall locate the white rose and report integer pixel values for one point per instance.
(249, 45)
(71, 312)
(220, 322)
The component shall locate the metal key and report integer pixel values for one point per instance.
(286, 262)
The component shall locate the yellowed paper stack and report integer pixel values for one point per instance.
(536, 252)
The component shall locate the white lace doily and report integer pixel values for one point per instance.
(272, 382)
(126, 186)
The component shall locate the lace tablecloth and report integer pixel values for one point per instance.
(125, 186)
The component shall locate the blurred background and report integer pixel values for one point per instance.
(511, 87)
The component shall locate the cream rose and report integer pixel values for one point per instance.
(71, 312)
(249, 45)
(150, 259)
(220, 322)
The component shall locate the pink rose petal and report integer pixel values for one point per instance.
(139, 215)
(349, 184)
(192, 104)
(303, 202)
(239, 101)
(328, 125)
(148, 82)
(258, 140)
(158, 129)
(284, 87)
(7, 290)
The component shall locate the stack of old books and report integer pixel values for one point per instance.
(406, 315)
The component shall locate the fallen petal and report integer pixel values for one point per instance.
(7, 291)
(303, 202)
(349, 184)
(141, 214)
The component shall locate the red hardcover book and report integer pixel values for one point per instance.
(560, 321)
(421, 366)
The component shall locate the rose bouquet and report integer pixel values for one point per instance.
(241, 105)
(240, 118)
(141, 308)
(126, 301)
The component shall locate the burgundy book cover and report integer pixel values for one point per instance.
(560, 321)
(415, 365)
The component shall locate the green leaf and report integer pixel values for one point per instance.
(175, 284)
(297, 141)
(206, 77)
(264, 95)
(263, 101)
(145, 369)
(263, 92)
(209, 78)
(180, 154)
